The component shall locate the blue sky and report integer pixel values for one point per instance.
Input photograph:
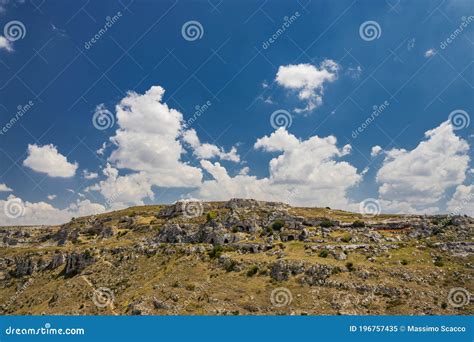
(311, 62)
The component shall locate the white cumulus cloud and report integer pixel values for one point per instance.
(5, 44)
(430, 53)
(148, 149)
(308, 80)
(208, 151)
(46, 159)
(89, 175)
(462, 201)
(305, 172)
(421, 177)
(375, 151)
(148, 140)
(15, 211)
(4, 188)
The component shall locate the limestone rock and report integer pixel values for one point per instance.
(76, 262)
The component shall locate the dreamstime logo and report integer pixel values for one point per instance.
(465, 22)
(14, 208)
(109, 22)
(287, 21)
(102, 118)
(102, 297)
(377, 110)
(21, 110)
(192, 208)
(199, 110)
(192, 30)
(14, 30)
(458, 297)
(370, 30)
(280, 297)
(370, 207)
(281, 118)
(459, 119)
(18, 293)
(198, 291)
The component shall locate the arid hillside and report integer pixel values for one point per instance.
(240, 257)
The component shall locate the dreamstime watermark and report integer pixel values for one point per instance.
(192, 30)
(287, 22)
(458, 297)
(370, 207)
(46, 330)
(452, 37)
(14, 30)
(459, 119)
(281, 118)
(280, 297)
(109, 22)
(18, 293)
(14, 208)
(103, 297)
(103, 118)
(199, 110)
(464, 202)
(112, 199)
(377, 110)
(21, 110)
(198, 290)
(370, 30)
(191, 208)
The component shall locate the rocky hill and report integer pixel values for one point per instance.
(239, 257)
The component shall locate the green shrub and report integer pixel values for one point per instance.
(211, 215)
(235, 229)
(122, 233)
(190, 287)
(216, 252)
(268, 230)
(346, 238)
(327, 223)
(358, 224)
(278, 225)
(230, 265)
(438, 261)
(404, 262)
(252, 271)
(350, 266)
(324, 253)
(336, 270)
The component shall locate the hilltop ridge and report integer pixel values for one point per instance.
(240, 256)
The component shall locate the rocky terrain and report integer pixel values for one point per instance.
(240, 257)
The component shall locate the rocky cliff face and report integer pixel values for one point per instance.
(239, 257)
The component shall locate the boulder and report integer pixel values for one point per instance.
(317, 274)
(24, 266)
(76, 262)
(238, 203)
(57, 260)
